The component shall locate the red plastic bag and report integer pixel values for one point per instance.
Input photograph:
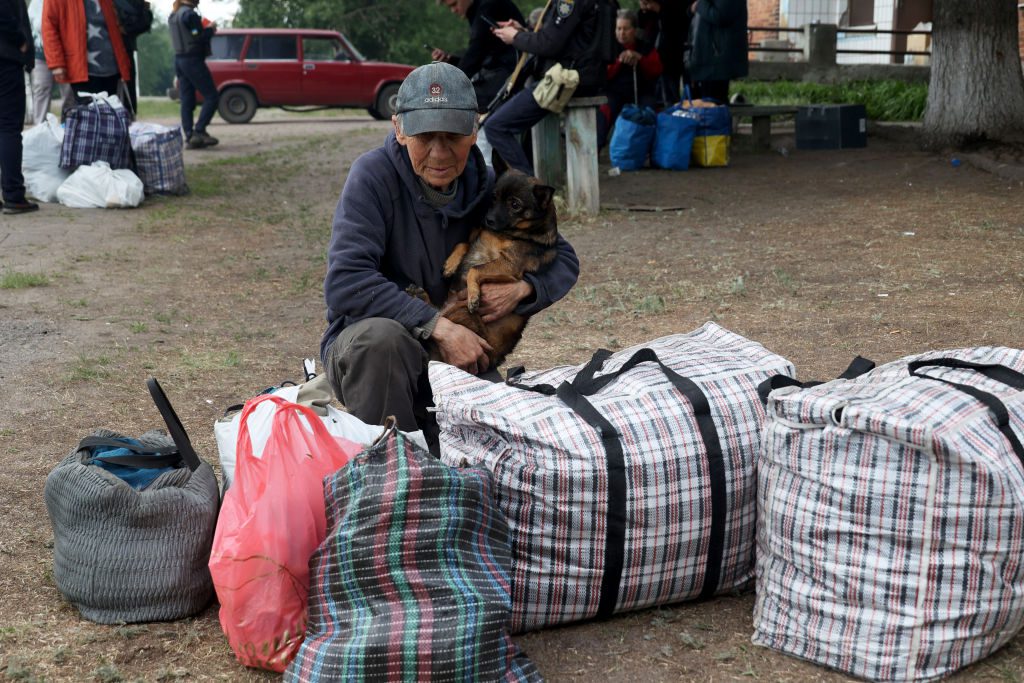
(270, 523)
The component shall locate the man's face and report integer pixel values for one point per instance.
(625, 32)
(438, 158)
(458, 7)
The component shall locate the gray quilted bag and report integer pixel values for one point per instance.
(126, 555)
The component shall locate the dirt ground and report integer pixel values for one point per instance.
(820, 256)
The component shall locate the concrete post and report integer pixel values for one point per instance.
(820, 45)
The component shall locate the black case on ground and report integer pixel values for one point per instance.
(831, 126)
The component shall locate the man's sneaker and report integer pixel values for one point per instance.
(20, 207)
(200, 139)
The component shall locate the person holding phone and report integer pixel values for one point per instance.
(487, 61)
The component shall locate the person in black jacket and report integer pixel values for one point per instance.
(665, 24)
(568, 36)
(191, 41)
(718, 47)
(487, 61)
(135, 18)
(17, 57)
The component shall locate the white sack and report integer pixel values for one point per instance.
(99, 186)
(40, 161)
(338, 423)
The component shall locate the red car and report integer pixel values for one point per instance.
(266, 67)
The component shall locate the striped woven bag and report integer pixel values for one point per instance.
(627, 482)
(891, 516)
(413, 581)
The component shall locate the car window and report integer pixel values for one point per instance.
(324, 50)
(226, 47)
(272, 47)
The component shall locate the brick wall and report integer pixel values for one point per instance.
(763, 13)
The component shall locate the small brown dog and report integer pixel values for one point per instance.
(518, 236)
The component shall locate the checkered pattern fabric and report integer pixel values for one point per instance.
(413, 581)
(97, 131)
(890, 539)
(653, 506)
(159, 159)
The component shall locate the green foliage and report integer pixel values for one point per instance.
(156, 60)
(883, 100)
(387, 31)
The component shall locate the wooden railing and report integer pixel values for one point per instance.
(755, 46)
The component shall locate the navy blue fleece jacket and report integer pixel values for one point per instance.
(386, 237)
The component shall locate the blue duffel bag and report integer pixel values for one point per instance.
(673, 141)
(633, 137)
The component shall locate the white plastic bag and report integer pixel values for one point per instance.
(338, 423)
(99, 186)
(40, 161)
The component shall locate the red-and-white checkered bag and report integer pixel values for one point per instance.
(627, 482)
(891, 516)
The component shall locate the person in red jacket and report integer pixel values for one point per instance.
(632, 77)
(83, 46)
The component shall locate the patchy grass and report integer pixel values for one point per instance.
(13, 279)
(88, 369)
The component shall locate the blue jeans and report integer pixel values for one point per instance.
(193, 75)
(12, 119)
(508, 122)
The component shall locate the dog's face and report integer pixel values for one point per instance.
(521, 204)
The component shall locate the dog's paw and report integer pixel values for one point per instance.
(473, 304)
(417, 292)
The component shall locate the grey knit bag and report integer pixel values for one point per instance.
(127, 555)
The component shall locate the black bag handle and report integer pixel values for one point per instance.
(573, 394)
(857, 367)
(1000, 373)
(145, 457)
(174, 426)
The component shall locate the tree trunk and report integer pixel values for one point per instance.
(976, 91)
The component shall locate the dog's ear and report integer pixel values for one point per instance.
(499, 165)
(543, 194)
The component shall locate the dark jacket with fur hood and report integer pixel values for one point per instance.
(386, 237)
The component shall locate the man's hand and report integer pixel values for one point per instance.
(507, 31)
(499, 299)
(460, 347)
(60, 75)
(439, 55)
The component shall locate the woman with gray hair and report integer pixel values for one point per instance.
(632, 77)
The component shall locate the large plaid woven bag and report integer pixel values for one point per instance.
(413, 580)
(891, 516)
(159, 158)
(97, 131)
(625, 489)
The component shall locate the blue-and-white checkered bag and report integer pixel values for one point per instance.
(890, 540)
(627, 482)
(97, 131)
(159, 159)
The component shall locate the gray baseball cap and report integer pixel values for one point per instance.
(437, 98)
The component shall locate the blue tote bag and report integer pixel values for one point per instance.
(633, 137)
(673, 140)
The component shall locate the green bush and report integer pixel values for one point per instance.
(883, 100)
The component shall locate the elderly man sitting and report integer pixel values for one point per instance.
(403, 209)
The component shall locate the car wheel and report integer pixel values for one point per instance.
(387, 102)
(237, 105)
